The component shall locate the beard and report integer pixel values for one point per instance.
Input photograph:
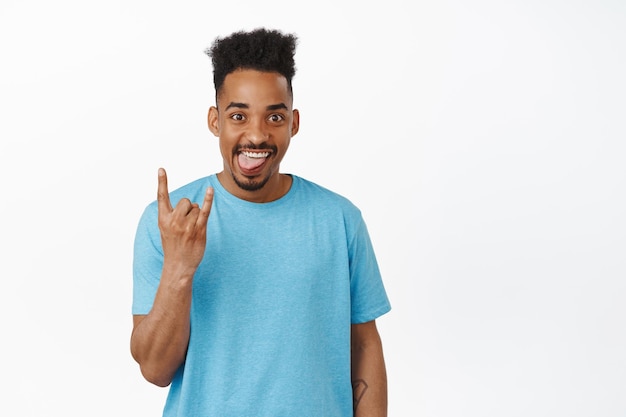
(251, 185)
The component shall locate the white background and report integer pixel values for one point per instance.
(484, 142)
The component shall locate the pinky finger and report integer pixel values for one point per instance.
(206, 206)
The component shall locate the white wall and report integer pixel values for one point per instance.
(484, 142)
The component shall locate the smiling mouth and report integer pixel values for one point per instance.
(251, 162)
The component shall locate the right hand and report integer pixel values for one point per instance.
(183, 228)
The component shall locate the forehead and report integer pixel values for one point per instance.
(254, 88)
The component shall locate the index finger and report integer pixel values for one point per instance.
(163, 195)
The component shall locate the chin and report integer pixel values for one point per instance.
(249, 184)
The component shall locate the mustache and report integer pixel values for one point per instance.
(252, 147)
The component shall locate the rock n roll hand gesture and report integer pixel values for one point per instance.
(183, 229)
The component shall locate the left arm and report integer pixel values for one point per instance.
(369, 376)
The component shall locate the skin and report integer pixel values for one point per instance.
(254, 112)
(369, 376)
(159, 339)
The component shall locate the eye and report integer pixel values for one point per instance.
(238, 117)
(275, 118)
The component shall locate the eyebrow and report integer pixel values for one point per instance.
(279, 106)
(245, 106)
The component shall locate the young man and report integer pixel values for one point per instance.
(256, 292)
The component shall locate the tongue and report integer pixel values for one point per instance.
(250, 163)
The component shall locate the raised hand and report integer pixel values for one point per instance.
(183, 229)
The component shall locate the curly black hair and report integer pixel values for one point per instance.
(260, 49)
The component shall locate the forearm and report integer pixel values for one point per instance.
(369, 379)
(159, 340)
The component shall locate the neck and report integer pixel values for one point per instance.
(277, 186)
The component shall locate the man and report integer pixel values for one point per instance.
(256, 292)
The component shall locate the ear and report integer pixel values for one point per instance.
(213, 121)
(295, 123)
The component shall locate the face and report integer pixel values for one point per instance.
(254, 121)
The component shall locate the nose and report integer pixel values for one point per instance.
(257, 132)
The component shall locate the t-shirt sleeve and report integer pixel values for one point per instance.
(368, 296)
(147, 261)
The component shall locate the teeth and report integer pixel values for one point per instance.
(256, 154)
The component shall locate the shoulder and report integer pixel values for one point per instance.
(194, 190)
(317, 194)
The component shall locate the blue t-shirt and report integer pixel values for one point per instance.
(272, 302)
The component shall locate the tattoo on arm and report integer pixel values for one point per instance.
(359, 386)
